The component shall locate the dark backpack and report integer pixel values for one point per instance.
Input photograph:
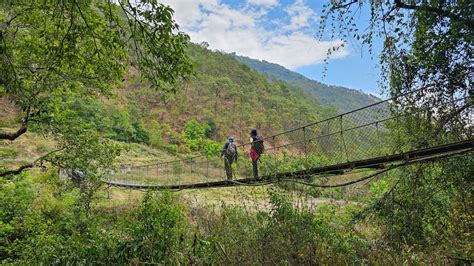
(231, 152)
(258, 145)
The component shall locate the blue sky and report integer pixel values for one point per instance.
(282, 32)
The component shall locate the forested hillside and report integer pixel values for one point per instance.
(224, 96)
(343, 98)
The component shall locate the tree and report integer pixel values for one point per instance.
(50, 50)
(427, 49)
(218, 87)
(155, 132)
(427, 46)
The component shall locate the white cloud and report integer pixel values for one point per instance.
(267, 3)
(300, 15)
(241, 30)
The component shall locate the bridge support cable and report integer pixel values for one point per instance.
(398, 160)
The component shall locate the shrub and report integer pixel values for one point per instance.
(211, 148)
(171, 148)
(154, 132)
(195, 134)
(140, 135)
(157, 232)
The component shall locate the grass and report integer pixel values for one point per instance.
(24, 149)
(139, 154)
(7, 153)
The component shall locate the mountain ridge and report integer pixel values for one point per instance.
(344, 99)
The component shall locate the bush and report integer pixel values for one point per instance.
(286, 235)
(171, 148)
(140, 135)
(40, 227)
(195, 134)
(211, 148)
(157, 232)
(154, 132)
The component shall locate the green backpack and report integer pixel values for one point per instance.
(231, 152)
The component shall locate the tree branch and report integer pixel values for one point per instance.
(19, 132)
(30, 165)
(16, 171)
(13, 136)
(438, 11)
(336, 6)
(448, 118)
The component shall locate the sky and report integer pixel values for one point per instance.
(282, 32)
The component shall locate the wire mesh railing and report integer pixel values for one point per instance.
(388, 127)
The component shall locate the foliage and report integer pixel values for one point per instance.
(211, 148)
(40, 225)
(427, 206)
(7, 153)
(114, 122)
(195, 136)
(155, 133)
(288, 162)
(171, 148)
(42, 228)
(159, 235)
(82, 148)
(427, 45)
(54, 51)
(284, 235)
(427, 48)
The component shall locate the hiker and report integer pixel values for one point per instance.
(256, 150)
(229, 151)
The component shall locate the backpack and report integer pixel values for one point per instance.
(231, 152)
(258, 145)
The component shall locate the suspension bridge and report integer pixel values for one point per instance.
(376, 138)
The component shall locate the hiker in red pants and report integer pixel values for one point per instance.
(256, 150)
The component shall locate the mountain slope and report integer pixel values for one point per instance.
(343, 98)
(225, 97)
(230, 97)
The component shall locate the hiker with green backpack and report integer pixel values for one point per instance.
(229, 152)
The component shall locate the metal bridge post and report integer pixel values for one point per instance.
(378, 135)
(327, 140)
(274, 154)
(304, 140)
(399, 140)
(343, 141)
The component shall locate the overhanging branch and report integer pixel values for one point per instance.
(30, 165)
(15, 135)
(339, 6)
(438, 11)
(21, 131)
(16, 171)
